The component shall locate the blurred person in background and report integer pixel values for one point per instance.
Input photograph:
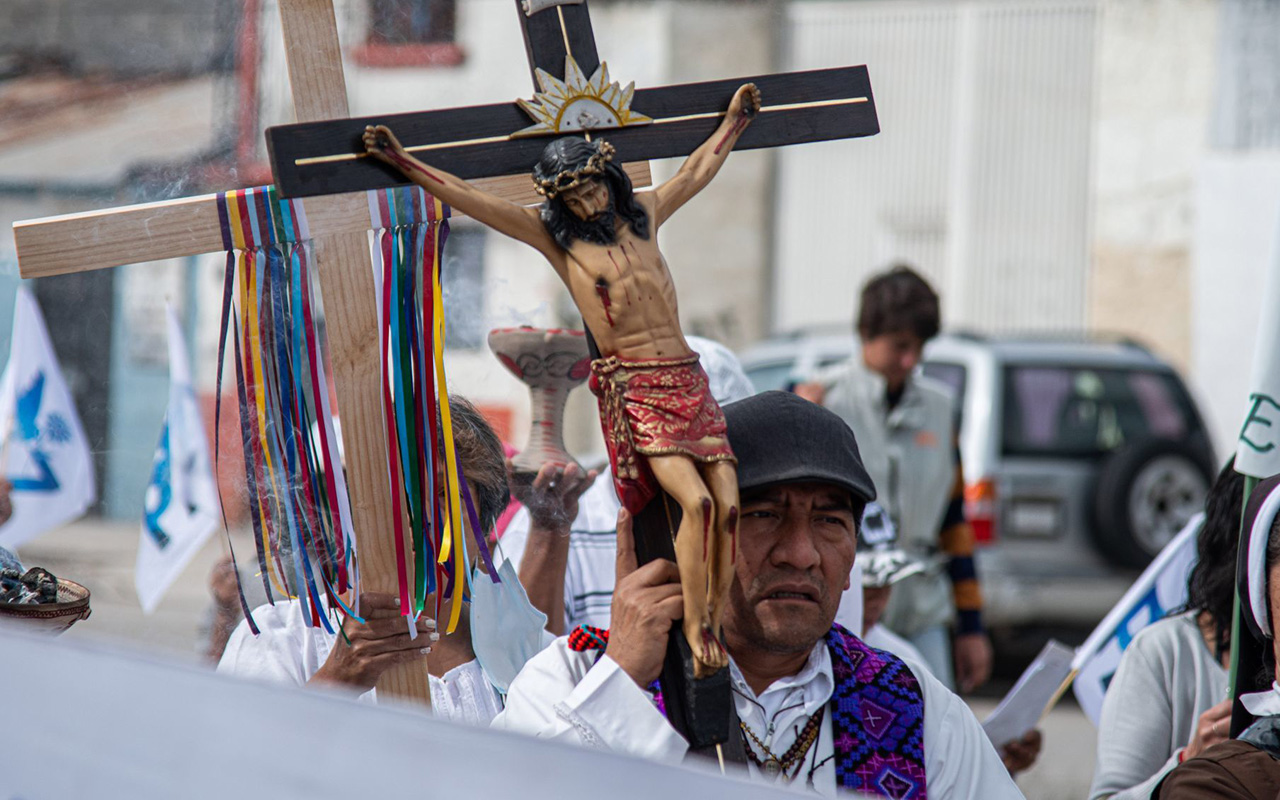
(883, 564)
(905, 423)
(1169, 699)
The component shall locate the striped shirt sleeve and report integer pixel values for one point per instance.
(956, 540)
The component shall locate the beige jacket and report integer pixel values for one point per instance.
(910, 456)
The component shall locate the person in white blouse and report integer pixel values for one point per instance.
(1169, 699)
(818, 707)
(290, 651)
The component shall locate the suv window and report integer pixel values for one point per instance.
(766, 377)
(953, 375)
(1087, 411)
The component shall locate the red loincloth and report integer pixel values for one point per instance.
(655, 407)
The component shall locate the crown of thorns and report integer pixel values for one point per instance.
(569, 178)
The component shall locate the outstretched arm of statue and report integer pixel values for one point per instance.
(703, 164)
(503, 216)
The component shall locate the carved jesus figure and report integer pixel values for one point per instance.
(660, 422)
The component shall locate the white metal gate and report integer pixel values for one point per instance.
(979, 177)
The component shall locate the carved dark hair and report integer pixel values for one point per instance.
(570, 154)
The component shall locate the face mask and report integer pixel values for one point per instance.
(506, 630)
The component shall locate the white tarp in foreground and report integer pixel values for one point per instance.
(87, 721)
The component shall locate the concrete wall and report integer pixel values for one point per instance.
(1154, 89)
(979, 176)
(122, 37)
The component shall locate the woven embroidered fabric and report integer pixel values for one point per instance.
(877, 716)
(585, 637)
(655, 408)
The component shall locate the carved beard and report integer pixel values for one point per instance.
(600, 230)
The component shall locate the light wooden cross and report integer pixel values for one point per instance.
(339, 225)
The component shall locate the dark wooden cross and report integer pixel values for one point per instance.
(314, 158)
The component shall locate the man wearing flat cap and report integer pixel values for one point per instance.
(819, 708)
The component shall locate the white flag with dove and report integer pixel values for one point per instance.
(45, 456)
(180, 508)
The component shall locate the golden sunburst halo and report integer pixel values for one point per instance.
(579, 103)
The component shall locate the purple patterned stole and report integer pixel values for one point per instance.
(877, 715)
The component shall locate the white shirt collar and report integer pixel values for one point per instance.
(788, 698)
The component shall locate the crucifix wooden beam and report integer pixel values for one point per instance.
(189, 226)
(481, 141)
(314, 158)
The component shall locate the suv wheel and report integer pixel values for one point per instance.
(1146, 493)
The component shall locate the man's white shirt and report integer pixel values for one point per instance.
(570, 696)
(881, 638)
(289, 651)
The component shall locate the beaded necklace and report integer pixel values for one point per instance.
(773, 765)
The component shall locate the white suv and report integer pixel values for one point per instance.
(1082, 459)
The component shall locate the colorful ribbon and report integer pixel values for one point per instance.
(297, 495)
(296, 490)
(429, 496)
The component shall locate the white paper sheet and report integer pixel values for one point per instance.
(1021, 709)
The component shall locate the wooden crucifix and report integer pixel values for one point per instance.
(664, 431)
(340, 224)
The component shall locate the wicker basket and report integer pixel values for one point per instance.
(52, 618)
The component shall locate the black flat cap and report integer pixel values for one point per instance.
(781, 438)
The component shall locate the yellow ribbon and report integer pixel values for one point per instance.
(451, 544)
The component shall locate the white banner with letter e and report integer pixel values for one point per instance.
(1258, 446)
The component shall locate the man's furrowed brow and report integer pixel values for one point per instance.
(770, 494)
(834, 500)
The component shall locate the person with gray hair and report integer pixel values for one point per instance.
(565, 552)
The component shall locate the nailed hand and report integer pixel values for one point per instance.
(379, 140)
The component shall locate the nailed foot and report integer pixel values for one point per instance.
(709, 656)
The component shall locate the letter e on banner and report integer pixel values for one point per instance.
(1257, 452)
